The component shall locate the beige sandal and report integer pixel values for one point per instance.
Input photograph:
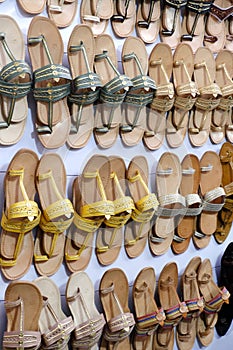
(148, 20)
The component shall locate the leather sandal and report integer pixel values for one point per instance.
(146, 203)
(88, 322)
(189, 188)
(55, 327)
(148, 20)
(229, 29)
(20, 216)
(85, 85)
(148, 315)
(114, 293)
(22, 316)
(96, 14)
(110, 234)
(213, 198)
(33, 8)
(112, 94)
(207, 101)
(51, 82)
(57, 214)
(214, 297)
(124, 17)
(185, 95)
(187, 327)
(91, 208)
(160, 70)
(174, 309)
(225, 215)
(193, 24)
(62, 12)
(15, 82)
(135, 65)
(172, 204)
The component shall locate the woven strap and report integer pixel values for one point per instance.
(88, 333)
(210, 196)
(200, 7)
(21, 340)
(215, 304)
(171, 199)
(193, 204)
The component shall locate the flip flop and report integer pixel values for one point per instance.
(110, 234)
(88, 322)
(114, 293)
(189, 188)
(213, 198)
(215, 29)
(214, 298)
(124, 17)
(193, 24)
(62, 13)
(186, 92)
(204, 74)
(16, 82)
(171, 204)
(148, 20)
(57, 214)
(91, 208)
(112, 94)
(170, 30)
(55, 327)
(148, 315)
(51, 82)
(174, 309)
(136, 231)
(96, 14)
(20, 216)
(33, 7)
(160, 70)
(135, 65)
(187, 327)
(23, 304)
(85, 87)
(225, 215)
(222, 115)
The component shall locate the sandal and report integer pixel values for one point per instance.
(62, 12)
(137, 229)
(160, 70)
(187, 327)
(222, 116)
(214, 298)
(22, 316)
(96, 14)
(110, 234)
(225, 215)
(91, 208)
(55, 327)
(51, 82)
(21, 215)
(112, 94)
(148, 316)
(124, 17)
(85, 87)
(15, 82)
(57, 214)
(148, 20)
(171, 204)
(135, 65)
(193, 24)
(174, 309)
(213, 198)
(88, 322)
(33, 8)
(229, 30)
(204, 74)
(186, 92)
(114, 292)
(189, 189)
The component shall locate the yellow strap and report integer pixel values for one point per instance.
(49, 175)
(105, 248)
(59, 208)
(45, 257)
(55, 227)
(76, 257)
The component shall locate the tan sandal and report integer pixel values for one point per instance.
(62, 13)
(124, 17)
(33, 7)
(148, 20)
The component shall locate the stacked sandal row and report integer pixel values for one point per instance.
(44, 323)
(156, 96)
(198, 23)
(110, 204)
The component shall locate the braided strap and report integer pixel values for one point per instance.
(58, 335)
(210, 196)
(170, 199)
(200, 7)
(88, 333)
(186, 102)
(89, 81)
(142, 99)
(119, 327)
(110, 92)
(177, 4)
(21, 339)
(193, 204)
